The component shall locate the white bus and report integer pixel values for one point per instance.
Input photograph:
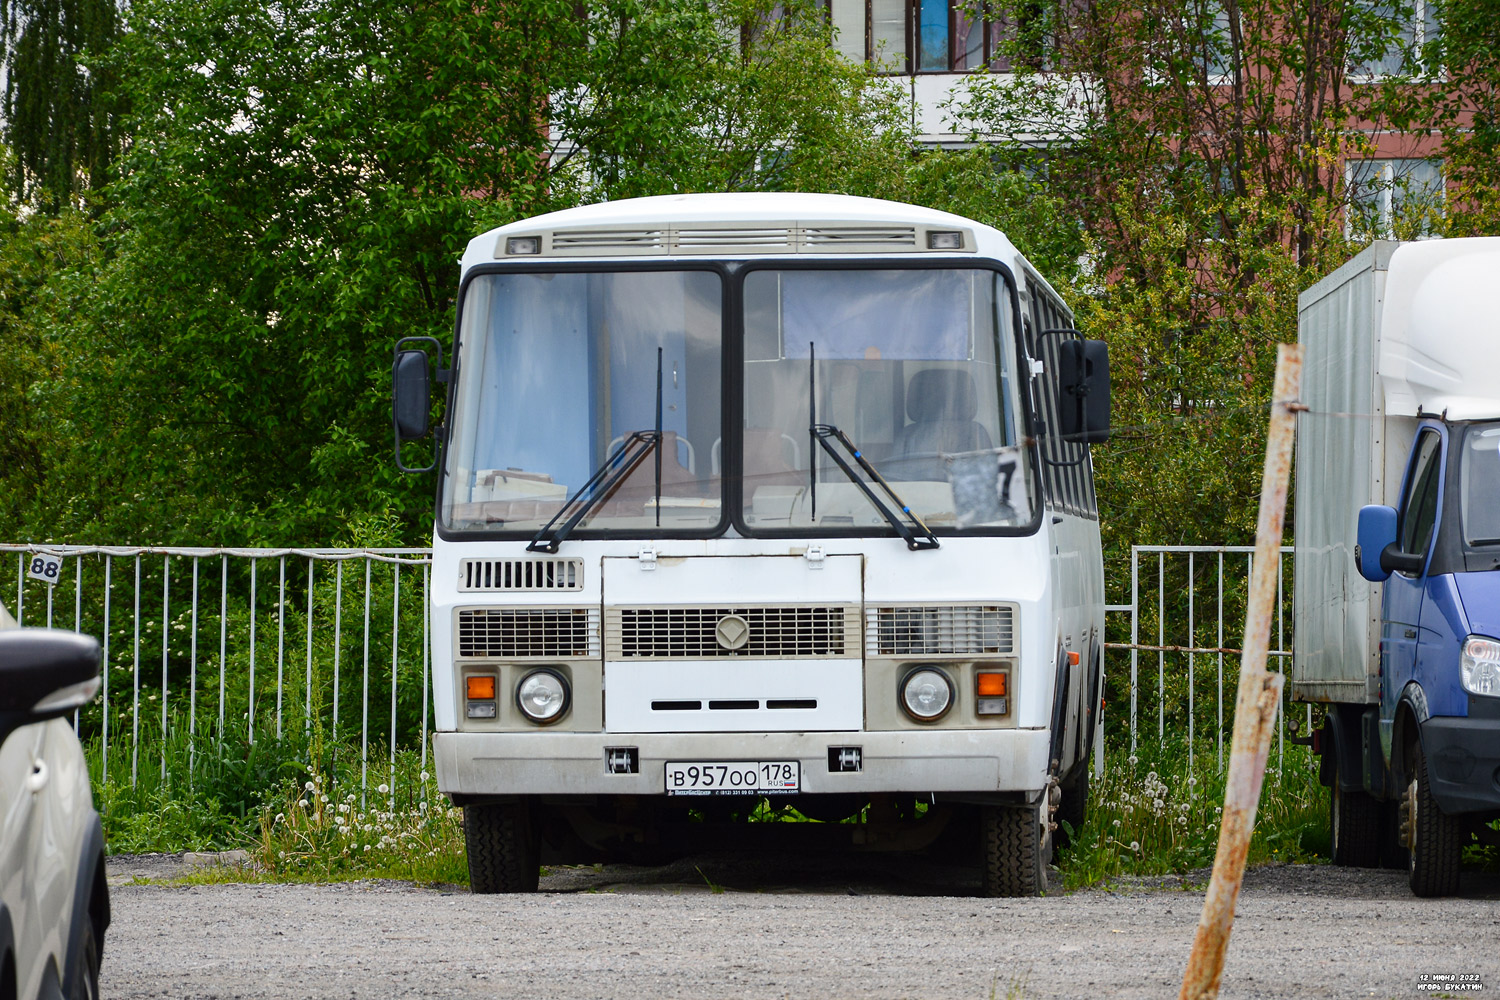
(761, 500)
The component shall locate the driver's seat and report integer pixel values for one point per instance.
(941, 403)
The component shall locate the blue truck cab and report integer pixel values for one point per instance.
(1397, 552)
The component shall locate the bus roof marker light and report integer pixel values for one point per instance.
(523, 245)
(939, 240)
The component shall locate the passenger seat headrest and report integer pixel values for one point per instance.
(941, 394)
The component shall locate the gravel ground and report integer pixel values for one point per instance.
(805, 926)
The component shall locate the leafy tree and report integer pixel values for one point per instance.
(61, 114)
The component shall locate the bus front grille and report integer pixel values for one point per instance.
(778, 632)
(515, 634)
(946, 630)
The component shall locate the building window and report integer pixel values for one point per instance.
(932, 36)
(1393, 199)
(1389, 37)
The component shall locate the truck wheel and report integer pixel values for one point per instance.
(1354, 824)
(504, 854)
(1014, 848)
(1433, 838)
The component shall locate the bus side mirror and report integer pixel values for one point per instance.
(1377, 531)
(411, 395)
(1083, 391)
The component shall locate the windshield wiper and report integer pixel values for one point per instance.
(824, 434)
(615, 470)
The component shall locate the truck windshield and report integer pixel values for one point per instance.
(1479, 478)
(556, 371)
(915, 366)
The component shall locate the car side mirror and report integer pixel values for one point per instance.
(411, 395)
(1393, 560)
(1083, 391)
(46, 673)
(1376, 533)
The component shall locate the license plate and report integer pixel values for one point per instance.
(733, 777)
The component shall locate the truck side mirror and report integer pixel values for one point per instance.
(1083, 391)
(45, 673)
(411, 395)
(1376, 533)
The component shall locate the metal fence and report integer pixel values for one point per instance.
(216, 620)
(1188, 595)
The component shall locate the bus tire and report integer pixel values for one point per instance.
(1013, 849)
(1074, 808)
(1434, 838)
(504, 853)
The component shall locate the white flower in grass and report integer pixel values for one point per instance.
(367, 847)
(1135, 845)
(382, 789)
(1117, 822)
(323, 798)
(424, 775)
(280, 817)
(343, 808)
(308, 787)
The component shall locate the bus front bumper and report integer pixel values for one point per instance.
(989, 761)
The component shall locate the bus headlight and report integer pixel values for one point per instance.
(927, 694)
(543, 696)
(1479, 666)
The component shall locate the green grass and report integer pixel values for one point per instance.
(297, 805)
(1157, 816)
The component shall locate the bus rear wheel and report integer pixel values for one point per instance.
(1015, 846)
(504, 851)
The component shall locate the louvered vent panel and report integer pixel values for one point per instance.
(514, 634)
(776, 238)
(961, 630)
(603, 240)
(837, 236)
(520, 574)
(775, 632)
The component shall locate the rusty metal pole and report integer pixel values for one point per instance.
(1259, 696)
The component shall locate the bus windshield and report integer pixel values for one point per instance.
(556, 371)
(913, 365)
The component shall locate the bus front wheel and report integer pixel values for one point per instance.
(504, 851)
(1015, 846)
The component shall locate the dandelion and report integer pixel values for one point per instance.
(1135, 845)
(1150, 777)
(280, 817)
(1134, 760)
(324, 799)
(424, 776)
(308, 787)
(367, 847)
(1192, 782)
(382, 789)
(1117, 822)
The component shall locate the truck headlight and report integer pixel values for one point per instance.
(926, 694)
(1479, 666)
(543, 696)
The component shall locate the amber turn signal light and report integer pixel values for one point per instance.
(481, 688)
(990, 685)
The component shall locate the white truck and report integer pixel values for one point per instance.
(1397, 535)
(761, 497)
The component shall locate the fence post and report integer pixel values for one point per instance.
(1259, 697)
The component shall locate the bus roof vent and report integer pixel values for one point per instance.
(592, 242)
(944, 630)
(734, 240)
(519, 634)
(491, 575)
(860, 237)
